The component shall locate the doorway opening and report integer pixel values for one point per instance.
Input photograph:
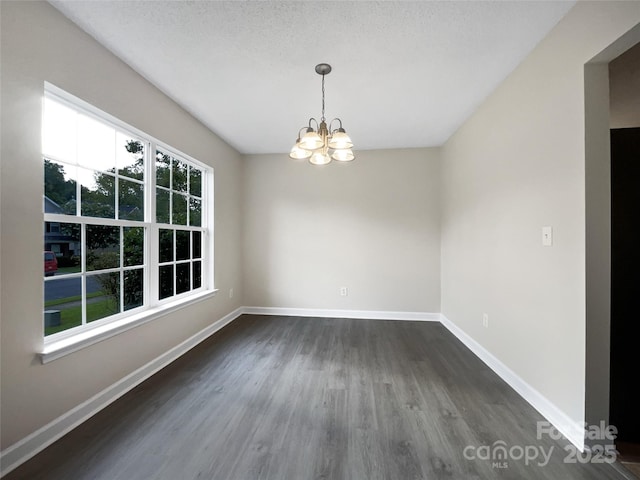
(612, 180)
(624, 101)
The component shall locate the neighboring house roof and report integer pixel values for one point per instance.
(128, 209)
(51, 207)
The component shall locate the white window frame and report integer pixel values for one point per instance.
(67, 341)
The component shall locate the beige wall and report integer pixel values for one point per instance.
(39, 44)
(624, 83)
(516, 165)
(371, 225)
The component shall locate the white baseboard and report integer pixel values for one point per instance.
(23, 450)
(330, 313)
(565, 425)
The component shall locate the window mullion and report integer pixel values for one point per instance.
(151, 272)
(175, 259)
(171, 192)
(208, 230)
(152, 269)
(83, 269)
(78, 184)
(150, 182)
(188, 195)
(121, 269)
(116, 183)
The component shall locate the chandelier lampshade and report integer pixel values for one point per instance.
(343, 155)
(311, 140)
(340, 140)
(298, 153)
(320, 158)
(321, 144)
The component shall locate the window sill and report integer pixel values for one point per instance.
(65, 346)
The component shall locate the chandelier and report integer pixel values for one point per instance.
(321, 144)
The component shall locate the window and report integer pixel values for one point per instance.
(179, 204)
(129, 231)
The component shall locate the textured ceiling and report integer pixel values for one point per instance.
(405, 74)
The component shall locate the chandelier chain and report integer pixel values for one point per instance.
(322, 99)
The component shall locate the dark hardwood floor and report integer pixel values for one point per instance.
(291, 398)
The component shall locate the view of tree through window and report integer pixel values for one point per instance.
(178, 202)
(98, 229)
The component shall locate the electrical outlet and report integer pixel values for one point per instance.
(485, 320)
(547, 236)
(231, 293)
(344, 291)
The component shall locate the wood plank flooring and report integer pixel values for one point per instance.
(289, 398)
